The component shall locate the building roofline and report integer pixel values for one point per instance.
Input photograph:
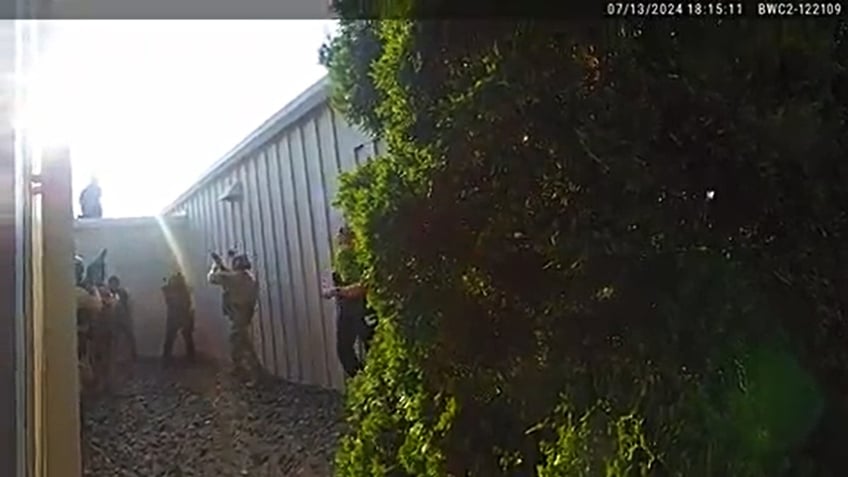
(125, 221)
(313, 96)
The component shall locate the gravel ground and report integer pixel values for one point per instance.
(197, 421)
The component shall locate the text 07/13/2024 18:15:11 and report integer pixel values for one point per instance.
(722, 9)
(673, 9)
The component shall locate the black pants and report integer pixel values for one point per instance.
(351, 326)
(124, 329)
(186, 329)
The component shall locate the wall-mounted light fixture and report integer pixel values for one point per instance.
(233, 193)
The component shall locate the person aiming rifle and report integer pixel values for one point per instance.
(240, 293)
(225, 295)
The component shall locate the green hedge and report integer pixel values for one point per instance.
(599, 248)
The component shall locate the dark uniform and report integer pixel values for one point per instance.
(355, 319)
(123, 315)
(180, 315)
(241, 292)
(89, 201)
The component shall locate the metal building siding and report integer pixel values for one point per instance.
(283, 292)
(288, 170)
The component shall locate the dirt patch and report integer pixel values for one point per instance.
(198, 421)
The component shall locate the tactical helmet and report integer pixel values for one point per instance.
(79, 269)
(241, 262)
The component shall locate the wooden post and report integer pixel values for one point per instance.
(60, 426)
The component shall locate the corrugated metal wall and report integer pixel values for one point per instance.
(288, 171)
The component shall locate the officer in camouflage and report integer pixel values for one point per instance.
(225, 295)
(89, 306)
(96, 305)
(241, 292)
(88, 299)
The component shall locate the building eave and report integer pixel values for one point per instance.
(311, 98)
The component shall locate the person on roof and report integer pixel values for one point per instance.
(89, 201)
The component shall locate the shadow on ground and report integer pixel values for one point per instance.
(197, 421)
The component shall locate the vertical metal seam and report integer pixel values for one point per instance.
(325, 162)
(261, 240)
(298, 223)
(240, 176)
(271, 257)
(209, 196)
(335, 133)
(331, 164)
(235, 212)
(223, 227)
(224, 219)
(226, 215)
(219, 215)
(221, 232)
(316, 260)
(208, 226)
(217, 320)
(204, 223)
(259, 243)
(242, 225)
(286, 233)
(275, 250)
(337, 161)
(200, 226)
(244, 220)
(328, 202)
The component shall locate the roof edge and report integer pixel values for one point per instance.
(288, 114)
(110, 222)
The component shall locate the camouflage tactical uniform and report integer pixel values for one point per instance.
(89, 306)
(95, 309)
(102, 338)
(241, 292)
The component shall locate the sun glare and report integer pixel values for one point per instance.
(45, 122)
(159, 96)
(45, 114)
